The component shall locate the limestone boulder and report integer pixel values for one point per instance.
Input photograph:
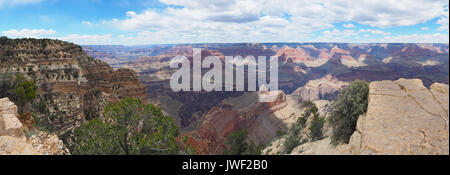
(9, 121)
(13, 140)
(12, 137)
(10, 145)
(404, 117)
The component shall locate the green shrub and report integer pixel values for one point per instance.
(42, 124)
(301, 121)
(238, 145)
(293, 139)
(17, 88)
(254, 149)
(280, 133)
(290, 143)
(349, 105)
(316, 128)
(41, 107)
(130, 128)
(97, 93)
(310, 108)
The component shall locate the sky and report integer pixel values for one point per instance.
(142, 22)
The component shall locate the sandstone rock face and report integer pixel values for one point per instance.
(321, 147)
(64, 75)
(9, 122)
(404, 117)
(16, 146)
(13, 140)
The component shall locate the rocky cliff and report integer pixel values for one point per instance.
(13, 140)
(403, 118)
(66, 78)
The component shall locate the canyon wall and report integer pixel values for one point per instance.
(72, 86)
(298, 63)
(237, 113)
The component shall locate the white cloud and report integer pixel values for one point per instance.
(391, 13)
(241, 21)
(388, 13)
(374, 31)
(351, 33)
(27, 33)
(348, 25)
(424, 28)
(366, 36)
(417, 38)
(273, 21)
(197, 21)
(343, 33)
(336, 35)
(168, 37)
(87, 39)
(75, 38)
(86, 23)
(443, 21)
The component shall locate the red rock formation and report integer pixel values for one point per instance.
(118, 84)
(296, 55)
(219, 122)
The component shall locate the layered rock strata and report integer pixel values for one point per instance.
(66, 76)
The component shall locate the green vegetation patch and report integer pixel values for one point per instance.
(351, 102)
(130, 128)
(237, 144)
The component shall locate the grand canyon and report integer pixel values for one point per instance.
(307, 72)
(192, 87)
(407, 110)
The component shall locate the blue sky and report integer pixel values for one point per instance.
(135, 22)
